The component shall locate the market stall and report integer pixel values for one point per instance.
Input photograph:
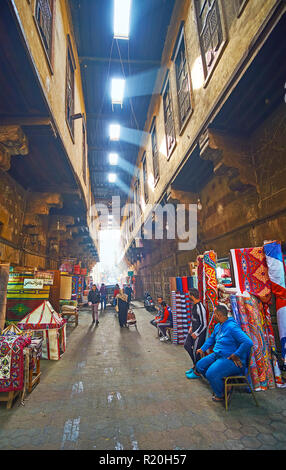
(47, 324)
(246, 285)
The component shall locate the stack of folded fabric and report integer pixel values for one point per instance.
(183, 319)
(174, 316)
(69, 309)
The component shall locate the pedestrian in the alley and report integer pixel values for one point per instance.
(122, 308)
(165, 322)
(103, 297)
(198, 329)
(116, 291)
(231, 348)
(128, 291)
(93, 300)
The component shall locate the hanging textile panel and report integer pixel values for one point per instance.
(274, 260)
(173, 284)
(201, 278)
(22, 301)
(66, 287)
(253, 324)
(211, 288)
(12, 362)
(179, 284)
(185, 284)
(251, 272)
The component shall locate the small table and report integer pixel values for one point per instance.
(73, 314)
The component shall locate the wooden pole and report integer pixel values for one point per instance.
(4, 276)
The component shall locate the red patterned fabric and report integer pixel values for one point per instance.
(251, 272)
(12, 362)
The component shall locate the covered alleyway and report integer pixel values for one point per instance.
(120, 389)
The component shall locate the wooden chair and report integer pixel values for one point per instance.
(239, 381)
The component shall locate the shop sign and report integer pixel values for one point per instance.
(33, 283)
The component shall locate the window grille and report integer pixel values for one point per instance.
(183, 82)
(44, 17)
(155, 153)
(70, 91)
(145, 179)
(169, 119)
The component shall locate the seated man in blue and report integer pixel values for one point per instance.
(231, 347)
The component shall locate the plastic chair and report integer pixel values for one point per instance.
(239, 381)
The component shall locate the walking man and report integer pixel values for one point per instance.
(103, 296)
(93, 300)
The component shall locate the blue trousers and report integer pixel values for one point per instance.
(103, 302)
(214, 368)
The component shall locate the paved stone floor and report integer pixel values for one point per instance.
(120, 389)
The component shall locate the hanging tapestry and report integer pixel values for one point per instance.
(21, 301)
(251, 272)
(211, 288)
(274, 260)
(253, 324)
(179, 284)
(12, 362)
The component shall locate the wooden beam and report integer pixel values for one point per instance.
(124, 61)
(24, 120)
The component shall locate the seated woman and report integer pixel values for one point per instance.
(165, 322)
(231, 348)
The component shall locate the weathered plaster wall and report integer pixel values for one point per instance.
(53, 80)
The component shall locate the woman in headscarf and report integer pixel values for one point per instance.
(122, 308)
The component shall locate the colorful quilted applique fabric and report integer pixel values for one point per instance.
(12, 362)
(251, 272)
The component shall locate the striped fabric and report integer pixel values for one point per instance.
(276, 272)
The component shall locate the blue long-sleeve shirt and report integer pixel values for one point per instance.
(228, 338)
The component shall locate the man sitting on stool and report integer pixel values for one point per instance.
(165, 322)
(230, 347)
(160, 313)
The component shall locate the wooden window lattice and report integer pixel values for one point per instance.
(155, 153)
(70, 92)
(169, 119)
(83, 153)
(44, 17)
(210, 29)
(145, 179)
(183, 82)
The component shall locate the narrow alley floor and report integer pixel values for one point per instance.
(120, 389)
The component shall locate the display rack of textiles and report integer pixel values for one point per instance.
(49, 325)
(21, 298)
(276, 272)
(12, 365)
(253, 269)
(78, 287)
(181, 308)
